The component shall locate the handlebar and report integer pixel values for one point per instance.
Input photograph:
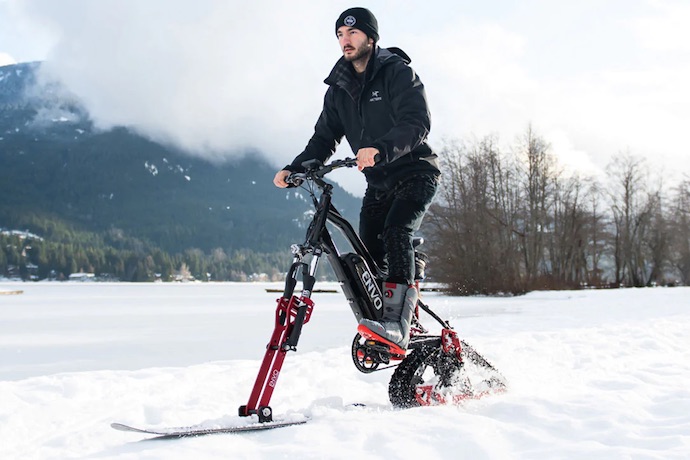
(315, 170)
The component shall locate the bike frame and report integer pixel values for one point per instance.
(294, 311)
(357, 272)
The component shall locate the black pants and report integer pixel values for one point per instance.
(389, 219)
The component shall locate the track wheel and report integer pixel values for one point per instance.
(420, 374)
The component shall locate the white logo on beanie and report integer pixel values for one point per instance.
(350, 21)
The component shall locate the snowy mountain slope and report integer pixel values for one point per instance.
(593, 374)
(56, 166)
(14, 80)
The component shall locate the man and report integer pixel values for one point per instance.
(378, 103)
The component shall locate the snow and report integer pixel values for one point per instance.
(151, 168)
(592, 374)
(22, 234)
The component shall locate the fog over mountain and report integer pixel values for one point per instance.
(219, 80)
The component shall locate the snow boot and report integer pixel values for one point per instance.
(399, 302)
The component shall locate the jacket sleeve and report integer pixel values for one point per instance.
(412, 120)
(328, 133)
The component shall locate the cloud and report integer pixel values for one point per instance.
(474, 78)
(481, 78)
(6, 59)
(666, 29)
(569, 157)
(22, 37)
(213, 78)
(220, 80)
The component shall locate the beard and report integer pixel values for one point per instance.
(362, 51)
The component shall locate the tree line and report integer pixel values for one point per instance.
(504, 221)
(30, 257)
(510, 222)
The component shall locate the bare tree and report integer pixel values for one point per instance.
(504, 209)
(537, 176)
(597, 233)
(474, 243)
(640, 234)
(567, 243)
(514, 223)
(679, 222)
(444, 221)
(656, 239)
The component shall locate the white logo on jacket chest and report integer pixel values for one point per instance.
(375, 97)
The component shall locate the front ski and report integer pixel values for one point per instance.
(200, 430)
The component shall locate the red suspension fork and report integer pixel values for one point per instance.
(292, 313)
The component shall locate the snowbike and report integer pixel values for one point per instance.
(435, 369)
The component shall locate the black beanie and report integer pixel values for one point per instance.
(359, 18)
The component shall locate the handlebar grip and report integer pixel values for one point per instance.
(316, 169)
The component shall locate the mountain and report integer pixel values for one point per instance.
(57, 170)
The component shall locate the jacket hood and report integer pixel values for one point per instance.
(397, 51)
(341, 74)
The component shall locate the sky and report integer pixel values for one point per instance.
(595, 78)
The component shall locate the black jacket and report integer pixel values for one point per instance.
(388, 111)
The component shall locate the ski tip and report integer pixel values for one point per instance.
(123, 427)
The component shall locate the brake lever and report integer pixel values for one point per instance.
(294, 180)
